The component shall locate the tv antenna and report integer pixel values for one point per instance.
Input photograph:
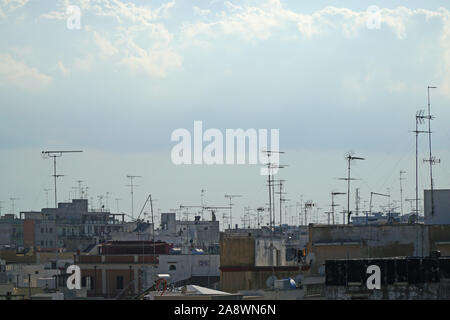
(420, 118)
(13, 200)
(117, 203)
(46, 196)
(131, 185)
(333, 205)
(401, 191)
(230, 198)
(54, 155)
(377, 194)
(349, 157)
(432, 160)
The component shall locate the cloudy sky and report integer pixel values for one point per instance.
(332, 76)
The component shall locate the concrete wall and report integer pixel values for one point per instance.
(237, 250)
(441, 200)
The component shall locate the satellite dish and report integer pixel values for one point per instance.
(270, 282)
(299, 279)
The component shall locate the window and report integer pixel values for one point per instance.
(172, 267)
(119, 282)
(42, 230)
(42, 243)
(50, 230)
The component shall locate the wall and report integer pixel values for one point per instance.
(28, 233)
(441, 207)
(237, 250)
(187, 266)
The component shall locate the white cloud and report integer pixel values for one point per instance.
(17, 73)
(201, 12)
(54, 15)
(106, 48)
(64, 71)
(260, 22)
(14, 4)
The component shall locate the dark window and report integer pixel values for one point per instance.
(119, 282)
(50, 230)
(42, 242)
(172, 267)
(42, 230)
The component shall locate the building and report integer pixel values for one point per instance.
(328, 242)
(401, 278)
(249, 261)
(114, 269)
(71, 226)
(11, 231)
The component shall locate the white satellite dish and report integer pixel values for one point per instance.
(270, 282)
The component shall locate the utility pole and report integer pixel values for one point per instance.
(131, 185)
(230, 198)
(349, 158)
(1, 208)
(401, 191)
(54, 155)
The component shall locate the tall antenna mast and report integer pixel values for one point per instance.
(432, 160)
(202, 198)
(230, 198)
(131, 185)
(117, 204)
(349, 158)
(333, 205)
(80, 189)
(46, 196)
(13, 200)
(401, 191)
(357, 201)
(419, 120)
(270, 167)
(54, 155)
(1, 207)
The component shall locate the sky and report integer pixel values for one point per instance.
(332, 76)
